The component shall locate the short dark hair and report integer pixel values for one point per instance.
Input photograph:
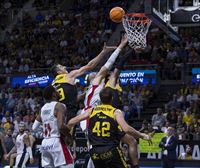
(54, 70)
(48, 92)
(106, 95)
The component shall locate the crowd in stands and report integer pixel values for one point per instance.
(181, 112)
(22, 104)
(75, 37)
(71, 37)
(8, 8)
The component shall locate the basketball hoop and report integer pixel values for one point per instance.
(136, 26)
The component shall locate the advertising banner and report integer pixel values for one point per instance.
(195, 75)
(146, 147)
(138, 76)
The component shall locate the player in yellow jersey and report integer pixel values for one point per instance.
(113, 84)
(104, 135)
(64, 81)
(98, 81)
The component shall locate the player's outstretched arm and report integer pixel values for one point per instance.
(79, 118)
(119, 66)
(114, 77)
(93, 63)
(127, 128)
(108, 65)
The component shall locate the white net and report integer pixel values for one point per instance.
(136, 26)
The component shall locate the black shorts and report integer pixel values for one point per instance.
(108, 159)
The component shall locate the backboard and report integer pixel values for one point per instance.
(186, 13)
(158, 11)
(171, 14)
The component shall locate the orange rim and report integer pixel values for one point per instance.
(138, 15)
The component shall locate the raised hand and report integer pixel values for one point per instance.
(124, 41)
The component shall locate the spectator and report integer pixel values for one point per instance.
(7, 117)
(2, 146)
(188, 117)
(144, 128)
(197, 133)
(8, 141)
(180, 128)
(192, 96)
(138, 101)
(168, 145)
(165, 127)
(187, 155)
(16, 123)
(173, 103)
(190, 133)
(172, 117)
(158, 120)
(11, 102)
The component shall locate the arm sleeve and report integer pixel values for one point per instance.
(35, 125)
(112, 59)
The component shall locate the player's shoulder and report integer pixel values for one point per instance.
(62, 105)
(61, 78)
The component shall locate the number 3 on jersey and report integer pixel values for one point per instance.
(102, 129)
(61, 93)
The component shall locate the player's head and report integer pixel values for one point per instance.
(50, 93)
(188, 149)
(170, 131)
(21, 127)
(106, 96)
(58, 69)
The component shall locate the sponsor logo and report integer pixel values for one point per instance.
(196, 18)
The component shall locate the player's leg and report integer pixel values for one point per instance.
(62, 155)
(132, 146)
(47, 160)
(25, 160)
(95, 153)
(21, 160)
(12, 159)
(90, 164)
(117, 160)
(46, 152)
(99, 164)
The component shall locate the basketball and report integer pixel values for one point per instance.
(116, 14)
